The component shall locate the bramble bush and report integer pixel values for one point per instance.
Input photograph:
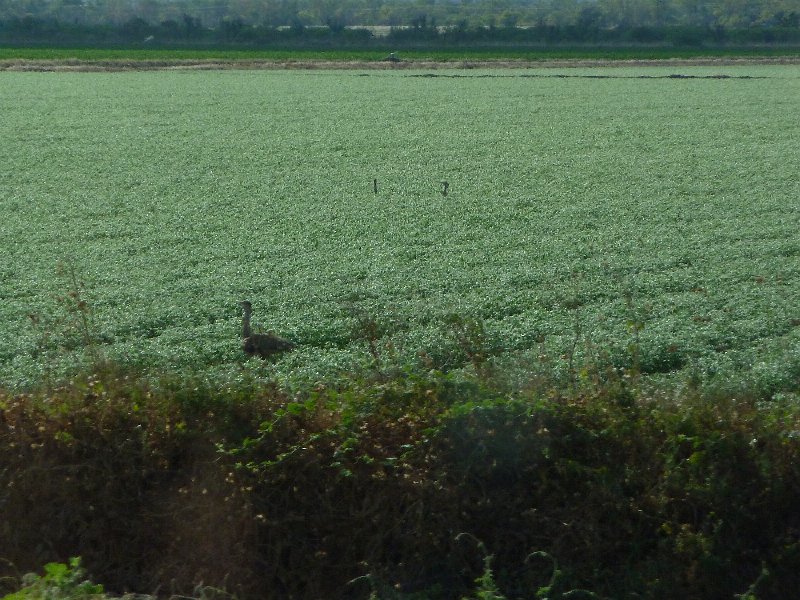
(60, 582)
(414, 485)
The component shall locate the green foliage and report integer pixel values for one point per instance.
(552, 241)
(566, 493)
(59, 582)
(531, 359)
(486, 587)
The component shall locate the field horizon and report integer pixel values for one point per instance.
(133, 59)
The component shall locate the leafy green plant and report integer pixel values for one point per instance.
(551, 591)
(69, 326)
(472, 339)
(487, 588)
(76, 309)
(59, 582)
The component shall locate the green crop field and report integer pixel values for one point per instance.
(616, 216)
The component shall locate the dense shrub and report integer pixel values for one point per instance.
(401, 485)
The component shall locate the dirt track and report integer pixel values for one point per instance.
(254, 64)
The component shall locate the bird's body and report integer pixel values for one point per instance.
(261, 344)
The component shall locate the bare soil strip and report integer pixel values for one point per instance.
(76, 65)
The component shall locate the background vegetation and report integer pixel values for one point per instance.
(608, 13)
(398, 23)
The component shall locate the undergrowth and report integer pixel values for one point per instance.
(59, 582)
(404, 485)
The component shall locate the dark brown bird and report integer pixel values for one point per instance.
(260, 344)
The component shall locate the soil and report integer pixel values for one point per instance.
(256, 64)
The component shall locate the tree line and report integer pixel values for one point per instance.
(265, 22)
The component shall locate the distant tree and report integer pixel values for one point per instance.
(590, 21)
(148, 10)
(420, 21)
(509, 19)
(231, 30)
(190, 26)
(677, 21)
(115, 11)
(736, 13)
(170, 30)
(249, 11)
(784, 19)
(69, 11)
(136, 29)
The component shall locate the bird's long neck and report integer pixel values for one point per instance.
(246, 324)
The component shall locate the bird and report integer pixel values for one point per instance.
(260, 344)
